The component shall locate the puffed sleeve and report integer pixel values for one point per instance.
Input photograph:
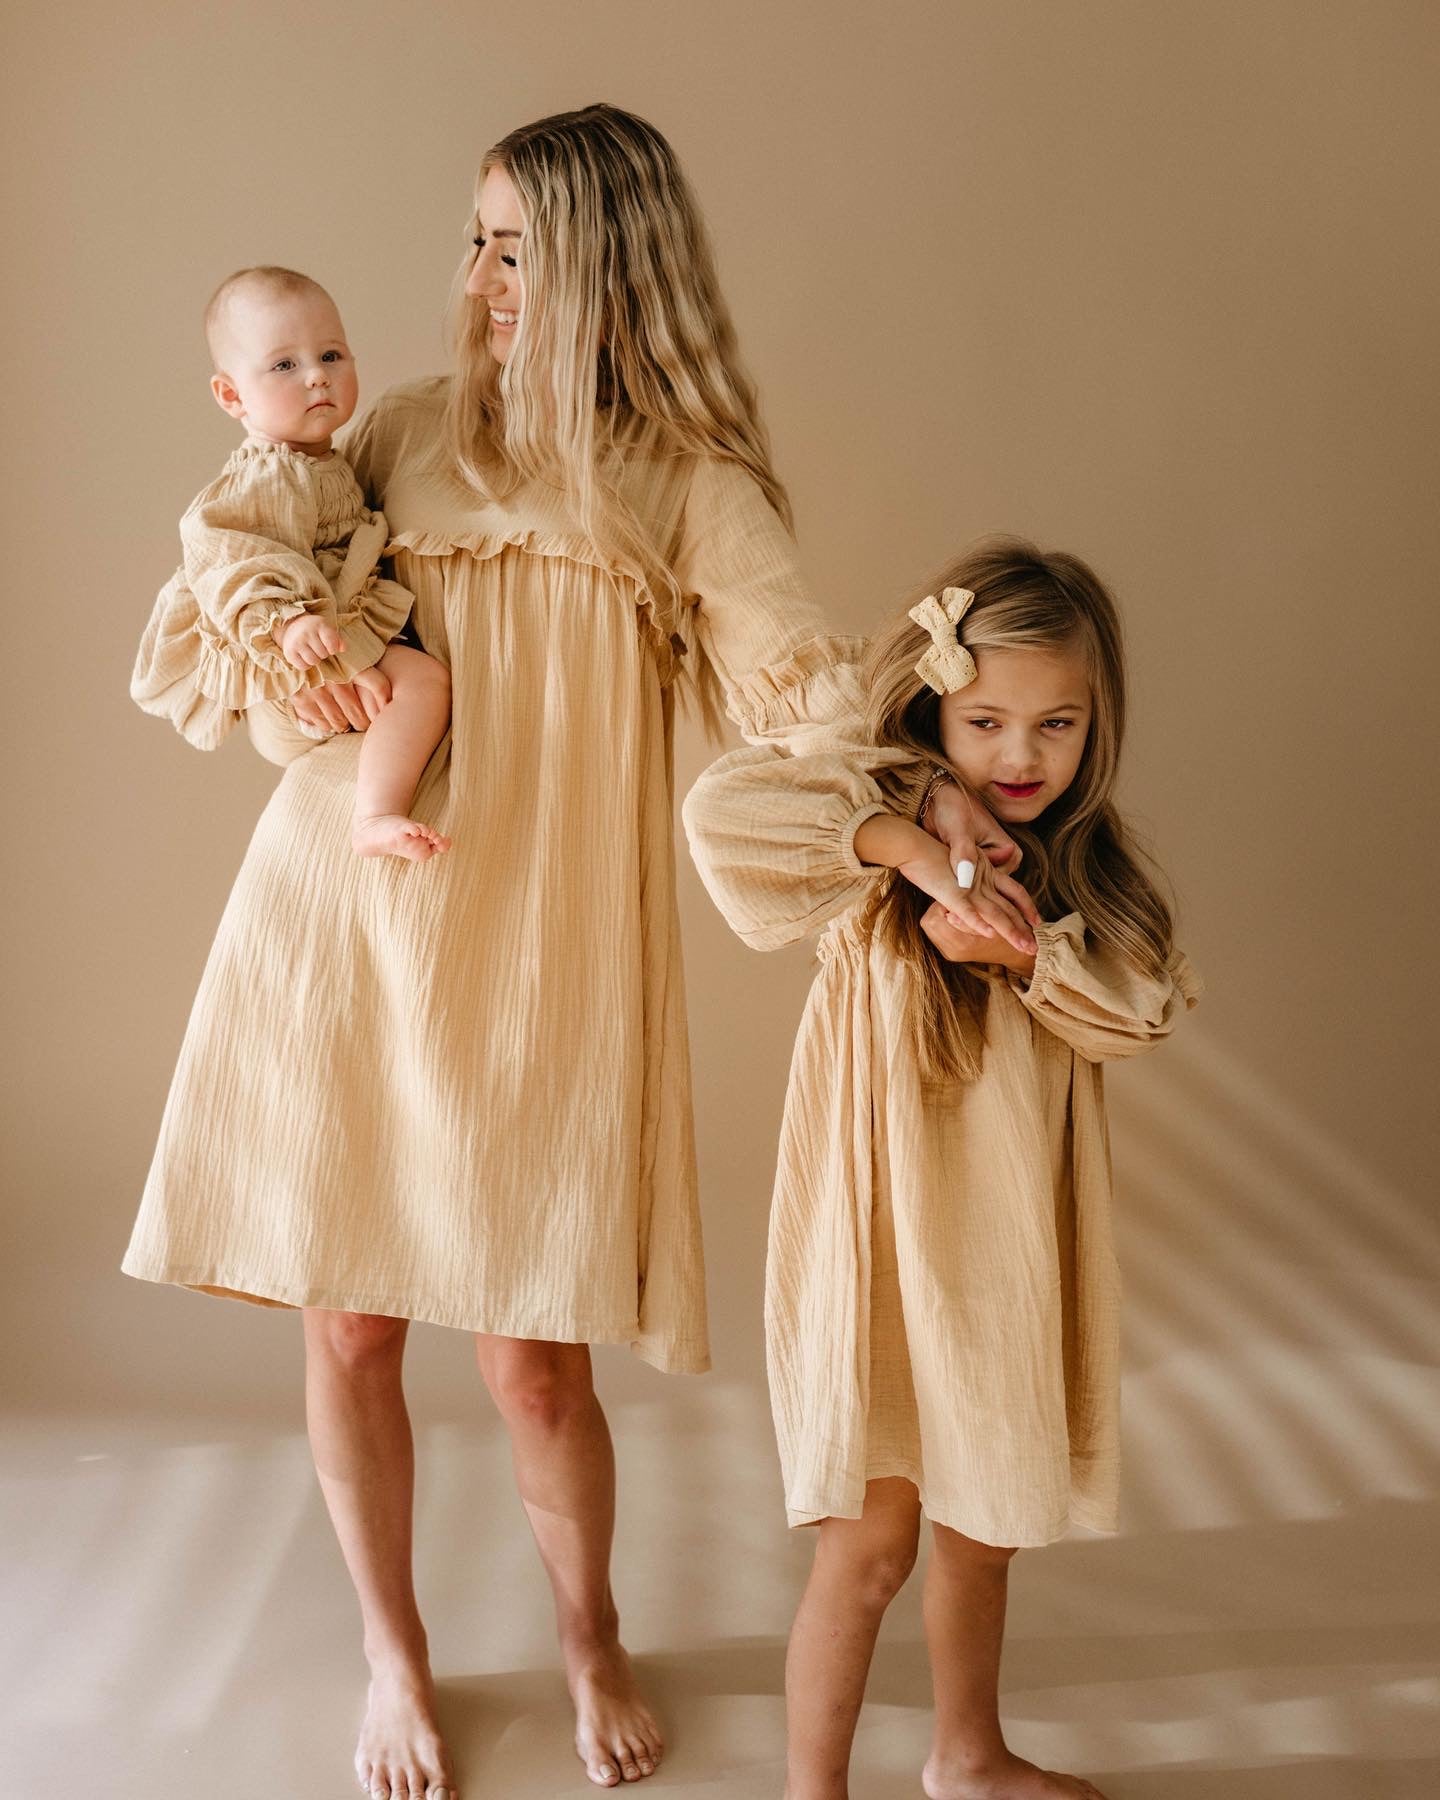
(1097, 1001)
(772, 828)
(248, 542)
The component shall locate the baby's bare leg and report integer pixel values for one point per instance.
(965, 1594)
(860, 1565)
(397, 747)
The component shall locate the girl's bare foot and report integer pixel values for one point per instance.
(616, 1736)
(392, 834)
(400, 1751)
(1014, 1779)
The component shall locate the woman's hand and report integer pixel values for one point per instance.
(985, 858)
(343, 705)
(957, 945)
(996, 907)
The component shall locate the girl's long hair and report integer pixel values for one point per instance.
(1078, 855)
(624, 343)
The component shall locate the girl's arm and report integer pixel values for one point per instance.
(773, 829)
(1087, 994)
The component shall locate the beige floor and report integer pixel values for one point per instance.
(1264, 1628)
(179, 1616)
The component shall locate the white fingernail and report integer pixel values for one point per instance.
(965, 874)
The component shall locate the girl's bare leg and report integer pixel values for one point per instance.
(565, 1468)
(965, 1595)
(360, 1437)
(860, 1565)
(397, 746)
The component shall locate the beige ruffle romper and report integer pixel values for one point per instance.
(941, 1291)
(460, 1091)
(277, 533)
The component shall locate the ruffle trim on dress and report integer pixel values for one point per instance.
(661, 631)
(779, 695)
(486, 545)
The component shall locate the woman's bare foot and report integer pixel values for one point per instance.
(616, 1736)
(392, 834)
(1014, 1779)
(400, 1751)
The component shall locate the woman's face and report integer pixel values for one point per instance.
(494, 278)
(1017, 732)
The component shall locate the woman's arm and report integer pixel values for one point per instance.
(773, 829)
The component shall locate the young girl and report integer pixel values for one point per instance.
(279, 590)
(941, 1292)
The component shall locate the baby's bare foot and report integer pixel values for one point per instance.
(1014, 1779)
(400, 1752)
(392, 834)
(616, 1736)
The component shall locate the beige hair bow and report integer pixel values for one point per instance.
(947, 664)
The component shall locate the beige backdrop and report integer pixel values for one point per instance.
(1153, 282)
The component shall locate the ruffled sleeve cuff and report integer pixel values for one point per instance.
(1101, 1005)
(238, 676)
(773, 838)
(812, 694)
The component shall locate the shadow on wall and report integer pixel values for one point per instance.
(1280, 1305)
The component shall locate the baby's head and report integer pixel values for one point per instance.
(1035, 679)
(282, 366)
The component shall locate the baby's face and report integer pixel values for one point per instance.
(287, 373)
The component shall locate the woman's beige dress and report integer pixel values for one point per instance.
(459, 1091)
(942, 1299)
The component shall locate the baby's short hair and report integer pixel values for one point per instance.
(267, 277)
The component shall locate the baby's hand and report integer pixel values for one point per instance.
(305, 640)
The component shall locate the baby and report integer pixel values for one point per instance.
(279, 589)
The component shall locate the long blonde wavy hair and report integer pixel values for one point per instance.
(624, 344)
(1078, 855)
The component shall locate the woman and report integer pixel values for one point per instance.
(459, 1092)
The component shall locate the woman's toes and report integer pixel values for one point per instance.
(605, 1773)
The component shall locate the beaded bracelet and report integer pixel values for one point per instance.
(937, 780)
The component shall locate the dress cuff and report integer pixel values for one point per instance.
(853, 864)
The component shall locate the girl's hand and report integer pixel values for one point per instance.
(958, 819)
(305, 640)
(985, 857)
(986, 910)
(957, 945)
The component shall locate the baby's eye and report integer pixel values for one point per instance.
(478, 242)
(331, 356)
(509, 262)
(280, 367)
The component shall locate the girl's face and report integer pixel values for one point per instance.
(494, 278)
(1017, 732)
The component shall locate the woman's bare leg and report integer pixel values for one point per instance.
(565, 1468)
(860, 1565)
(965, 1594)
(364, 1456)
(397, 746)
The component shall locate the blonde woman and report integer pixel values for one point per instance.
(460, 1094)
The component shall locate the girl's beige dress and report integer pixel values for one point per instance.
(459, 1091)
(277, 533)
(941, 1291)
